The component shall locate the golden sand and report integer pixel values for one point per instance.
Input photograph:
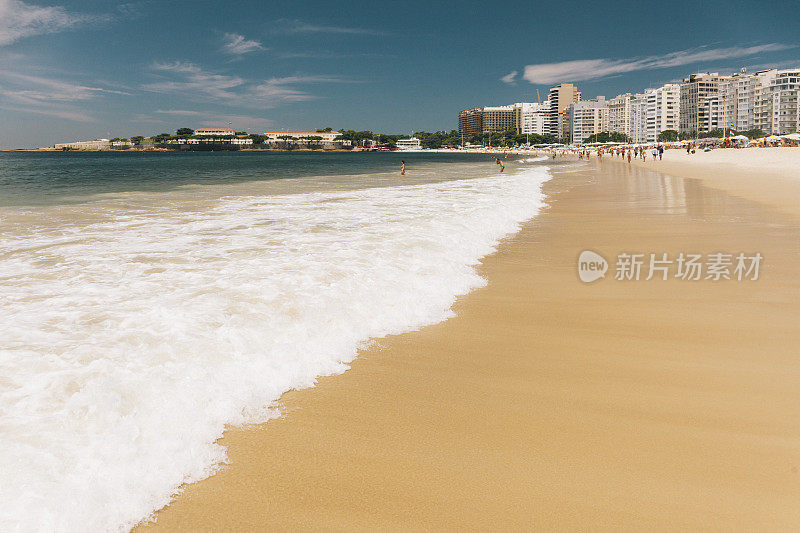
(553, 404)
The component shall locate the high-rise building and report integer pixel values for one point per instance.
(619, 114)
(724, 116)
(501, 118)
(784, 91)
(694, 101)
(470, 121)
(561, 97)
(522, 117)
(752, 108)
(638, 121)
(533, 117)
(661, 111)
(587, 118)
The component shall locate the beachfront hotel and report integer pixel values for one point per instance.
(522, 117)
(500, 118)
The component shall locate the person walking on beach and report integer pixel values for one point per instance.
(660, 151)
(402, 168)
(654, 152)
(629, 156)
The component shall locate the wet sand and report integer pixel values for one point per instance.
(767, 175)
(548, 403)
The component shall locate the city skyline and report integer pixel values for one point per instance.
(82, 69)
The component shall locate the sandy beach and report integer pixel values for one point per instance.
(548, 403)
(767, 175)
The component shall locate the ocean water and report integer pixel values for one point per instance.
(149, 300)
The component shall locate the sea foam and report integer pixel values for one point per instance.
(132, 338)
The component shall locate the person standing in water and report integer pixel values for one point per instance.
(502, 166)
(402, 168)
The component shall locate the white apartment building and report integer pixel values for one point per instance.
(588, 117)
(534, 117)
(619, 114)
(751, 110)
(638, 120)
(725, 113)
(784, 92)
(715, 112)
(662, 110)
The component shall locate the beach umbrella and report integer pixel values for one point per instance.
(792, 136)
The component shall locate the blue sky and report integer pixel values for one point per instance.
(88, 68)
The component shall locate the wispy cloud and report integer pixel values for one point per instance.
(19, 20)
(284, 90)
(588, 69)
(50, 89)
(236, 44)
(193, 82)
(510, 78)
(48, 96)
(298, 26)
(65, 114)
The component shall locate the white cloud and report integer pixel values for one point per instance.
(588, 69)
(510, 78)
(19, 20)
(236, 44)
(194, 82)
(48, 96)
(75, 116)
(298, 26)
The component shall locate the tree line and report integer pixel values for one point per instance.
(673, 135)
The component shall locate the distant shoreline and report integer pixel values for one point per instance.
(426, 151)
